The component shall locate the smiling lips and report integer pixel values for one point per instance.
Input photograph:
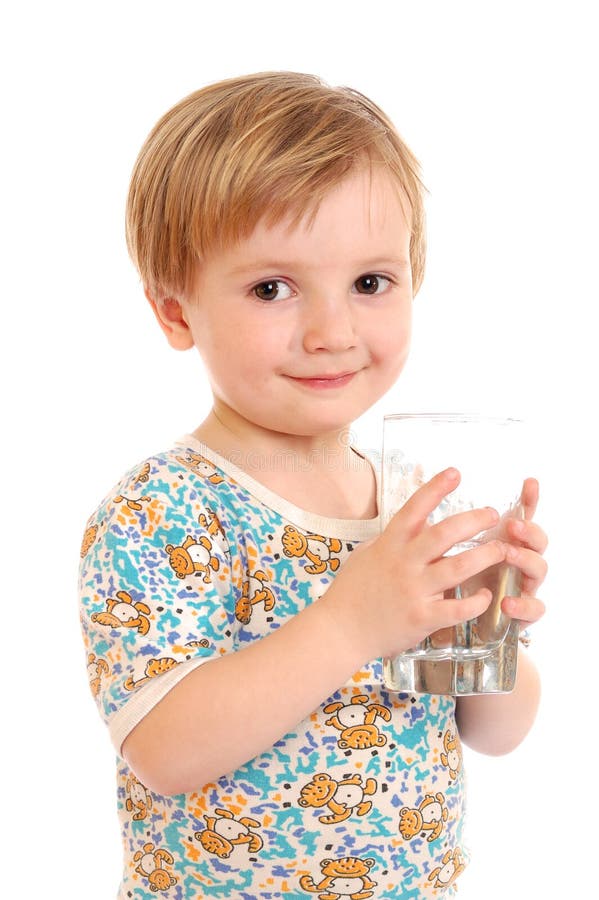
(325, 382)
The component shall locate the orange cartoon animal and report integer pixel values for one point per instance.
(96, 667)
(204, 642)
(314, 547)
(452, 758)
(154, 667)
(223, 833)
(124, 613)
(133, 503)
(255, 590)
(193, 557)
(138, 799)
(200, 466)
(151, 866)
(452, 868)
(89, 537)
(143, 476)
(428, 816)
(211, 523)
(342, 878)
(356, 721)
(341, 798)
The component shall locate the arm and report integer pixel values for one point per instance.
(385, 598)
(231, 709)
(496, 723)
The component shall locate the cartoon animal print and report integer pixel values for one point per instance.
(200, 466)
(452, 868)
(151, 866)
(346, 877)
(154, 667)
(193, 556)
(89, 536)
(133, 503)
(428, 816)
(224, 832)
(452, 758)
(138, 799)
(96, 667)
(124, 613)
(143, 476)
(211, 523)
(314, 547)
(356, 722)
(341, 798)
(254, 591)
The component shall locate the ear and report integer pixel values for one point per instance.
(169, 315)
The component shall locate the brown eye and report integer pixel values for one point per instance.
(367, 284)
(272, 290)
(371, 284)
(268, 290)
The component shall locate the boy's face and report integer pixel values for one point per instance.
(302, 330)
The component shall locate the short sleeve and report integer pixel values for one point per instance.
(156, 592)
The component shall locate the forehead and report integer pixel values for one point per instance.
(365, 212)
(370, 195)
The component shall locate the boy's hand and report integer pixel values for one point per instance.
(528, 542)
(388, 596)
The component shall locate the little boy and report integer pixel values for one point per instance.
(236, 594)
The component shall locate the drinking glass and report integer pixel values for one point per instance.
(480, 655)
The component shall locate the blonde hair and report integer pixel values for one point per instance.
(263, 146)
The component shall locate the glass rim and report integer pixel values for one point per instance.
(452, 417)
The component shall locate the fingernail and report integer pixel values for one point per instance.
(518, 527)
(453, 474)
(511, 554)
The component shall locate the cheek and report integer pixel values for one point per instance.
(223, 349)
(393, 344)
(241, 342)
(237, 366)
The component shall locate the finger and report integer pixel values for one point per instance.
(450, 571)
(526, 609)
(456, 529)
(529, 497)
(530, 564)
(447, 613)
(528, 534)
(412, 517)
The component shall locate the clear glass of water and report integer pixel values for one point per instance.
(478, 656)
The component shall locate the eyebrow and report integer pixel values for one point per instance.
(273, 264)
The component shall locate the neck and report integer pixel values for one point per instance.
(322, 474)
(259, 450)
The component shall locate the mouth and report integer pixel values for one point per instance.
(324, 381)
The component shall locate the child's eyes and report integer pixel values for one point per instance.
(371, 284)
(275, 289)
(272, 290)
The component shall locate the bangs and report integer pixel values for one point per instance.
(263, 148)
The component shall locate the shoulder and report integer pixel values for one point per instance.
(168, 476)
(166, 491)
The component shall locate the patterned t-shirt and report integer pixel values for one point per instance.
(190, 558)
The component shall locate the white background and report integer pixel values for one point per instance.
(499, 101)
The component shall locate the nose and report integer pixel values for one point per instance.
(329, 325)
